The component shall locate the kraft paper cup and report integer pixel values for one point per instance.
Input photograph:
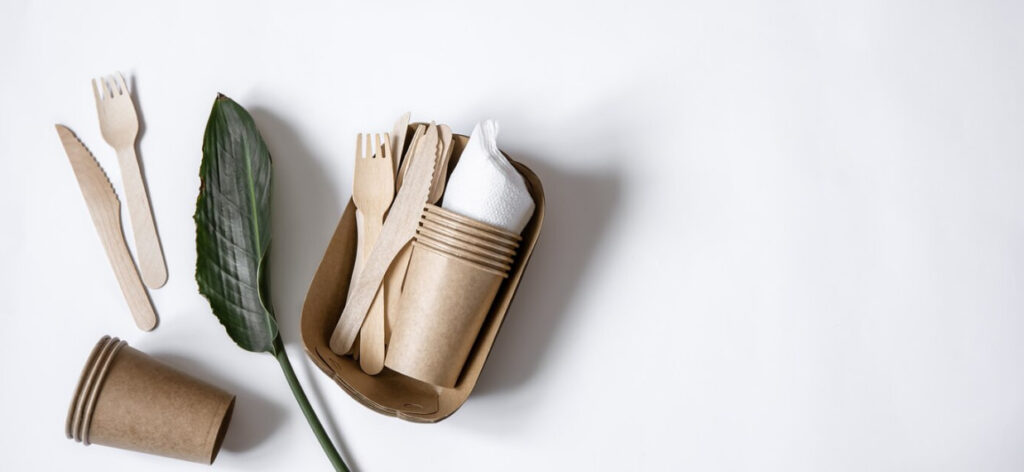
(91, 392)
(425, 244)
(466, 230)
(469, 230)
(73, 424)
(128, 400)
(435, 210)
(465, 251)
(434, 229)
(443, 304)
(469, 225)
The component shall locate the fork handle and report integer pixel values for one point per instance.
(371, 334)
(147, 243)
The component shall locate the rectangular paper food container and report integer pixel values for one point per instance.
(390, 393)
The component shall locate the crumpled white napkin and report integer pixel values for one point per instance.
(484, 185)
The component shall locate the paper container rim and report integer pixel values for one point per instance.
(465, 220)
(473, 249)
(497, 248)
(72, 421)
(463, 254)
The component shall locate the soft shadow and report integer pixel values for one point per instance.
(255, 418)
(305, 210)
(134, 94)
(578, 207)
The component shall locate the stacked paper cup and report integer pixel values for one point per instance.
(456, 268)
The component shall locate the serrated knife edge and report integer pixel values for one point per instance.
(105, 211)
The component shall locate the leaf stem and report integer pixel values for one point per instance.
(307, 409)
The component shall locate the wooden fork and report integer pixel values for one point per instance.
(373, 190)
(119, 124)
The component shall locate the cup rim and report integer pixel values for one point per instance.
(101, 376)
(466, 254)
(78, 428)
(434, 227)
(469, 230)
(505, 234)
(73, 419)
(427, 247)
(468, 247)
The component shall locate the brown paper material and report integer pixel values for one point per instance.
(470, 230)
(443, 305)
(465, 254)
(464, 220)
(72, 427)
(128, 400)
(433, 229)
(391, 393)
(93, 387)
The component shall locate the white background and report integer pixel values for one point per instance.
(780, 235)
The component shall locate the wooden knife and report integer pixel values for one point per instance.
(105, 210)
(399, 228)
(398, 139)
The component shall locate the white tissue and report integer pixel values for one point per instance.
(484, 185)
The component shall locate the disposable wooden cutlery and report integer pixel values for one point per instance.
(119, 124)
(372, 193)
(445, 153)
(397, 232)
(105, 211)
(398, 138)
(404, 167)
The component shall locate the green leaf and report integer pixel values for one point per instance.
(233, 226)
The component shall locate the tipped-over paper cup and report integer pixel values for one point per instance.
(444, 302)
(128, 400)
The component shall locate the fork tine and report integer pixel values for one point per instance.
(115, 90)
(368, 152)
(387, 153)
(376, 145)
(107, 92)
(96, 92)
(359, 147)
(120, 81)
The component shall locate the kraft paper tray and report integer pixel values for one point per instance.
(390, 393)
